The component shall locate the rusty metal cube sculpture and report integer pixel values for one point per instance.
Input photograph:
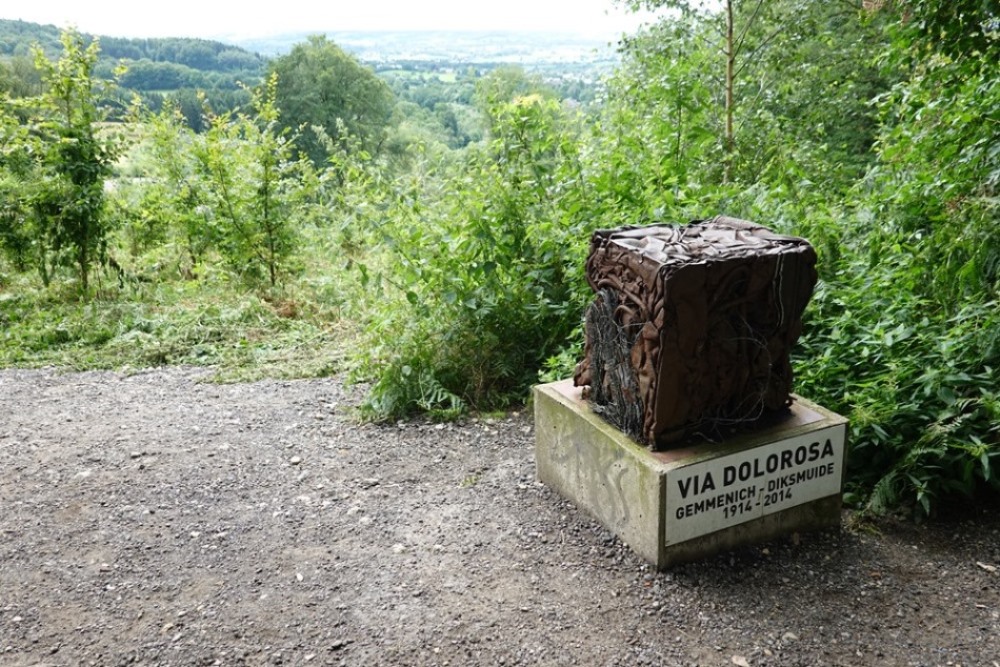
(692, 326)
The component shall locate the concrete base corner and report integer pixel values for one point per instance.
(694, 501)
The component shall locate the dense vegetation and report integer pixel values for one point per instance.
(434, 247)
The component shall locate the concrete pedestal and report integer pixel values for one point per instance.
(693, 501)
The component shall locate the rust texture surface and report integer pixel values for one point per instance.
(692, 325)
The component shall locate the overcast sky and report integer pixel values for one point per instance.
(212, 18)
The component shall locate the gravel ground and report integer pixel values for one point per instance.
(157, 519)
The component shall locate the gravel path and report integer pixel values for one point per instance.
(156, 519)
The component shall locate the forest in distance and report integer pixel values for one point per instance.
(419, 65)
(307, 213)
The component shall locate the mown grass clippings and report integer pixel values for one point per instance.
(242, 335)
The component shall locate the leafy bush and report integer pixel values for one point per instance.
(479, 290)
(918, 380)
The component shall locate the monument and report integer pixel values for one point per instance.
(680, 431)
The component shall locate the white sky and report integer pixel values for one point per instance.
(252, 18)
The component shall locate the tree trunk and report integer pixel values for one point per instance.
(84, 262)
(727, 164)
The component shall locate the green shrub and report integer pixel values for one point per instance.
(478, 289)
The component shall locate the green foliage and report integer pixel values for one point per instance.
(147, 75)
(917, 379)
(167, 203)
(17, 221)
(17, 37)
(963, 30)
(19, 78)
(925, 280)
(477, 294)
(793, 62)
(505, 84)
(234, 189)
(253, 187)
(318, 84)
(197, 54)
(55, 162)
(940, 146)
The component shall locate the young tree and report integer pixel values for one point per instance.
(75, 157)
(762, 77)
(173, 189)
(255, 191)
(728, 31)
